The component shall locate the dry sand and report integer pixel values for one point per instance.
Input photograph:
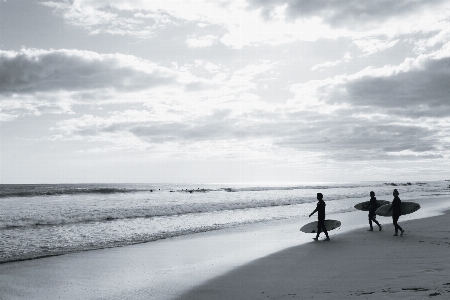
(354, 265)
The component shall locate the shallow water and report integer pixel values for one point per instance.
(44, 220)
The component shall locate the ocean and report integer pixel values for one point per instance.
(54, 219)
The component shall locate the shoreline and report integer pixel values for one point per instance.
(150, 270)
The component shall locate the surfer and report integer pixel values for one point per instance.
(373, 206)
(321, 217)
(396, 212)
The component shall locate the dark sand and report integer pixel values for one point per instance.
(354, 265)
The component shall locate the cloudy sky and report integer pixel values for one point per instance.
(224, 91)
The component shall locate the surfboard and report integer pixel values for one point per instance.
(364, 206)
(405, 208)
(312, 227)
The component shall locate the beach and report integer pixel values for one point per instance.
(260, 261)
(355, 265)
(181, 150)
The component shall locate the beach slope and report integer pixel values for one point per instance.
(354, 265)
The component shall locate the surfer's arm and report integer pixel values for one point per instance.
(313, 211)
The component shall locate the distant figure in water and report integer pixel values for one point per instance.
(373, 206)
(321, 217)
(396, 212)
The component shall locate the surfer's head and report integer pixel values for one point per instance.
(319, 196)
(395, 193)
(372, 194)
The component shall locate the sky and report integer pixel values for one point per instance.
(251, 91)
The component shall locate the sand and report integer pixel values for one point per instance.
(262, 261)
(355, 265)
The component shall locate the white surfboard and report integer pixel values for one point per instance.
(364, 206)
(312, 227)
(405, 208)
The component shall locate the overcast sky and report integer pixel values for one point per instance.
(224, 91)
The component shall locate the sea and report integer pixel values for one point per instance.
(43, 220)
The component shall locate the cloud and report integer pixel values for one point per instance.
(143, 129)
(340, 136)
(344, 13)
(32, 70)
(415, 88)
(421, 91)
(149, 125)
(379, 22)
(325, 64)
(353, 139)
(202, 41)
(198, 86)
(371, 115)
(52, 81)
(260, 22)
(371, 45)
(390, 113)
(107, 19)
(37, 104)
(7, 117)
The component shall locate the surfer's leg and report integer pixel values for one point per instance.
(394, 221)
(319, 229)
(326, 232)
(379, 225)
(324, 229)
(376, 222)
(397, 227)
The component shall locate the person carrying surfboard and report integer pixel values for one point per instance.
(321, 217)
(396, 212)
(373, 206)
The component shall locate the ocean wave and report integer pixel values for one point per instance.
(54, 249)
(298, 187)
(10, 191)
(71, 212)
(57, 217)
(43, 226)
(55, 191)
(133, 232)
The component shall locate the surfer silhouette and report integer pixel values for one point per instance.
(373, 206)
(396, 212)
(321, 217)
